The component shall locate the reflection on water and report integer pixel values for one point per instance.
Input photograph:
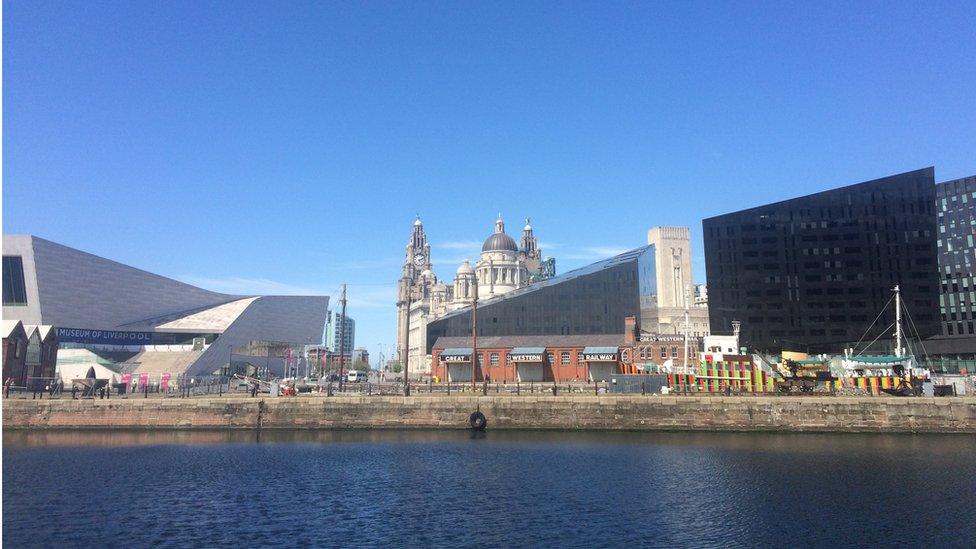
(408, 488)
(791, 443)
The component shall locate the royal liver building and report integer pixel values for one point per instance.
(504, 266)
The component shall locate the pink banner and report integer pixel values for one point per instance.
(164, 382)
(143, 379)
(126, 379)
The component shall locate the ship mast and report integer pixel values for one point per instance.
(898, 349)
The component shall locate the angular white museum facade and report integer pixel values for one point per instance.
(136, 321)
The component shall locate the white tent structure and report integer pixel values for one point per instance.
(72, 371)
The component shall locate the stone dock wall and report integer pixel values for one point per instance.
(576, 412)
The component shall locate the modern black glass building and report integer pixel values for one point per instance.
(813, 273)
(591, 300)
(956, 211)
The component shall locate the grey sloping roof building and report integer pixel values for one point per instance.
(592, 300)
(69, 287)
(95, 300)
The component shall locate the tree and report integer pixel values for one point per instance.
(395, 367)
(360, 365)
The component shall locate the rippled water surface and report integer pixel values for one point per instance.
(112, 489)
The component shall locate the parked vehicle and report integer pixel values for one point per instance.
(356, 377)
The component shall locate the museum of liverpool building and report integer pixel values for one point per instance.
(584, 325)
(110, 315)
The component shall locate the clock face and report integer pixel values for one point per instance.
(419, 259)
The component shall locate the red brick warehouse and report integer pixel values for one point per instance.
(559, 358)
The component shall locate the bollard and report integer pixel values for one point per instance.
(643, 388)
(518, 388)
(596, 391)
(555, 389)
(145, 390)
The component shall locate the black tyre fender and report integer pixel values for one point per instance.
(478, 421)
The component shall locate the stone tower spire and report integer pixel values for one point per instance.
(529, 251)
(499, 224)
(417, 255)
(416, 261)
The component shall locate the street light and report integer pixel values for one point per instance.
(474, 334)
(342, 338)
(684, 365)
(381, 359)
(308, 365)
(406, 344)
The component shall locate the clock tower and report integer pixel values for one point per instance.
(410, 293)
(421, 298)
(417, 255)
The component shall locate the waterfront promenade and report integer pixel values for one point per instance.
(533, 411)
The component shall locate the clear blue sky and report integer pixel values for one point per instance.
(285, 147)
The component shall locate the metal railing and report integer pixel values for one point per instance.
(218, 386)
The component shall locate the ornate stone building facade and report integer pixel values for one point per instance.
(502, 267)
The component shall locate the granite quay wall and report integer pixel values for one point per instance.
(575, 412)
